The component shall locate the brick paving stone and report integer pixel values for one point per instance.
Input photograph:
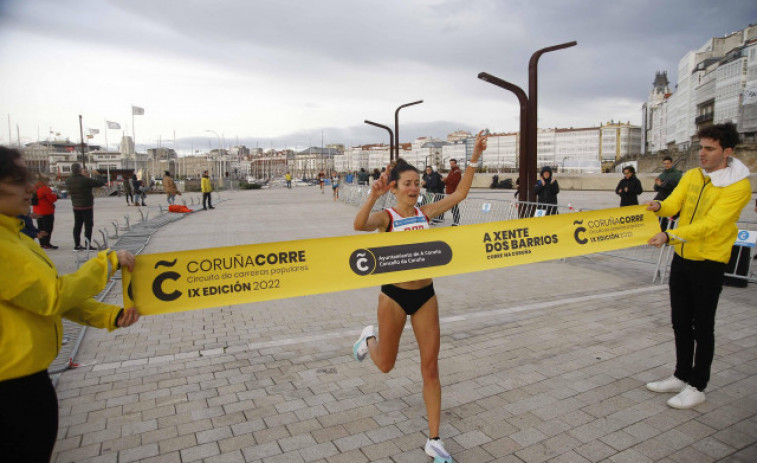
(230, 457)
(199, 452)
(138, 453)
(595, 451)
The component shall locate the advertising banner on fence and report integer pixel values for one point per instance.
(204, 278)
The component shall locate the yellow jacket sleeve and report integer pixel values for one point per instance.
(95, 314)
(51, 296)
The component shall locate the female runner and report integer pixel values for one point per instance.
(411, 298)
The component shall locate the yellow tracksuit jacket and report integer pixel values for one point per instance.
(205, 185)
(33, 298)
(707, 229)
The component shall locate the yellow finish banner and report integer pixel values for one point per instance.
(204, 278)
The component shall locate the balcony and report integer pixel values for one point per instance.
(704, 118)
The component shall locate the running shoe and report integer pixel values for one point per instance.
(435, 448)
(360, 349)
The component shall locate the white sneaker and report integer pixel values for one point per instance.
(671, 384)
(689, 397)
(360, 348)
(435, 448)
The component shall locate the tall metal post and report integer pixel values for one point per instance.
(531, 156)
(522, 148)
(396, 153)
(391, 136)
(528, 121)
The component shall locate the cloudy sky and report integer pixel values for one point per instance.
(289, 73)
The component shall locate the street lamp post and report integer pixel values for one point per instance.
(397, 128)
(528, 120)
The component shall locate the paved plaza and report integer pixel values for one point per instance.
(541, 362)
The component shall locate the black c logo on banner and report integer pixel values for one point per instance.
(157, 284)
(580, 240)
(157, 287)
(362, 262)
(388, 259)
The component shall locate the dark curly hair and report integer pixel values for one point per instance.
(9, 168)
(399, 166)
(726, 134)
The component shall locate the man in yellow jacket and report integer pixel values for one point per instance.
(710, 200)
(206, 188)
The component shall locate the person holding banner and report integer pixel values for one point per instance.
(710, 200)
(415, 299)
(33, 301)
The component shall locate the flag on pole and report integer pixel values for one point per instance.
(94, 131)
(137, 111)
(113, 125)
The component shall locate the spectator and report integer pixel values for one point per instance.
(664, 184)
(451, 182)
(546, 190)
(434, 185)
(80, 188)
(169, 186)
(33, 301)
(128, 191)
(207, 189)
(362, 177)
(29, 229)
(45, 211)
(140, 192)
(629, 187)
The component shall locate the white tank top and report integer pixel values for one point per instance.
(398, 223)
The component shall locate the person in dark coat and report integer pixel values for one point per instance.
(546, 190)
(80, 186)
(629, 187)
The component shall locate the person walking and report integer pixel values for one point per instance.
(288, 178)
(207, 188)
(710, 200)
(546, 190)
(629, 188)
(128, 191)
(414, 299)
(80, 186)
(44, 210)
(33, 300)
(450, 185)
(169, 186)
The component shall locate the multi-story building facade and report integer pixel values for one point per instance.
(713, 87)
